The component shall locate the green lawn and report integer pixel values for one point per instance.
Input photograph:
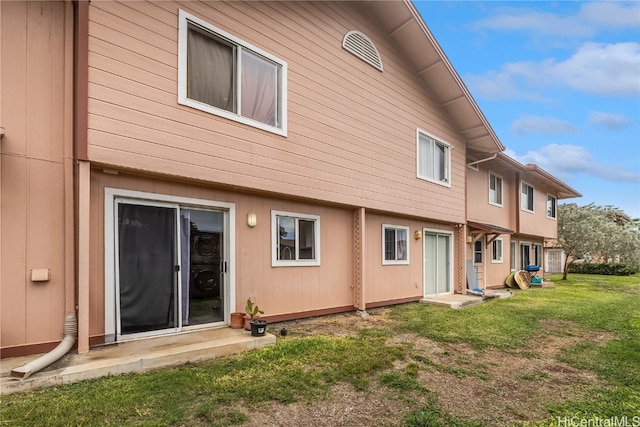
(304, 368)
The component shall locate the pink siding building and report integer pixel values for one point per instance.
(164, 161)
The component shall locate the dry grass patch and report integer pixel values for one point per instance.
(491, 386)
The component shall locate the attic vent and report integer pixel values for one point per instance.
(360, 45)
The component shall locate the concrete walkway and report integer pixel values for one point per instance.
(460, 301)
(133, 356)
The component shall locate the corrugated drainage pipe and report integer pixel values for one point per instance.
(70, 334)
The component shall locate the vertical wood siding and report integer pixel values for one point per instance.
(351, 129)
(35, 170)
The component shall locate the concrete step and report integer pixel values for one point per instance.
(133, 356)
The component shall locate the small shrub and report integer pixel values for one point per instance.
(609, 269)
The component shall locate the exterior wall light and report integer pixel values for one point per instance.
(252, 219)
(417, 235)
(469, 239)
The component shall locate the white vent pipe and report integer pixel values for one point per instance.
(70, 334)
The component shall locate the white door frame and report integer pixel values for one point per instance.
(111, 195)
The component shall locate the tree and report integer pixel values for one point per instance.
(604, 234)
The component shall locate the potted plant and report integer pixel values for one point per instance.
(257, 326)
(237, 320)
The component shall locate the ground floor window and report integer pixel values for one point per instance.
(295, 239)
(395, 249)
(496, 251)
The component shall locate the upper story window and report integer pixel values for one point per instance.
(220, 74)
(551, 207)
(526, 197)
(295, 239)
(496, 251)
(434, 159)
(395, 248)
(495, 189)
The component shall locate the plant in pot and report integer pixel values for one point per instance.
(257, 326)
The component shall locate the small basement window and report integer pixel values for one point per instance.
(362, 47)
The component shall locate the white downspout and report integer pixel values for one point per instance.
(483, 160)
(70, 333)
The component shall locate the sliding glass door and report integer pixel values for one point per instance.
(437, 263)
(170, 265)
(147, 296)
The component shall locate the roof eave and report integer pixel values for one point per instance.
(405, 25)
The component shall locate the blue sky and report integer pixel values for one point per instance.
(559, 82)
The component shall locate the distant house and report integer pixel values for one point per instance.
(163, 161)
(511, 211)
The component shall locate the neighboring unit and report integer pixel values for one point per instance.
(511, 211)
(162, 162)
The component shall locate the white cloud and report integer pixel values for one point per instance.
(567, 161)
(611, 15)
(523, 19)
(597, 68)
(588, 21)
(500, 86)
(609, 120)
(535, 124)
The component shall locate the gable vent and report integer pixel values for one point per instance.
(360, 45)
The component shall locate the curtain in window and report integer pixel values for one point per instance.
(146, 260)
(389, 244)
(259, 89)
(495, 189)
(432, 159)
(424, 159)
(210, 71)
(401, 236)
(439, 162)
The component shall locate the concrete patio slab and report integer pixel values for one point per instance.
(459, 301)
(133, 356)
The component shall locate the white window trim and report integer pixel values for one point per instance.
(501, 259)
(393, 261)
(447, 163)
(186, 18)
(275, 262)
(533, 198)
(513, 253)
(555, 209)
(501, 189)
